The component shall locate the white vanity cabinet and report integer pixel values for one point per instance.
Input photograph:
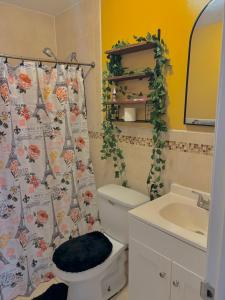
(185, 285)
(162, 267)
(150, 274)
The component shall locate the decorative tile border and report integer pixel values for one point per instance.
(170, 145)
(95, 135)
(190, 147)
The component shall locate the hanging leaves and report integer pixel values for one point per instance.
(110, 146)
(157, 99)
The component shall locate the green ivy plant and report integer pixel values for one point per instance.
(110, 146)
(157, 99)
(114, 64)
(111, 132)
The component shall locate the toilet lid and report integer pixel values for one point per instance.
(83, 253)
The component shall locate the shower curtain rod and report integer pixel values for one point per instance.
(92, 64)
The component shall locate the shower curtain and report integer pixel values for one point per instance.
(47, 187)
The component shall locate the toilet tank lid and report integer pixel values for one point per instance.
(122, 195)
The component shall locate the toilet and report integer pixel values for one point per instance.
(107, 279)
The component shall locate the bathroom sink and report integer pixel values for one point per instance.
(189, 217)
(177, 214)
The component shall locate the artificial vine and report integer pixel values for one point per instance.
(114, 64)
(110, 146)
(157, 100)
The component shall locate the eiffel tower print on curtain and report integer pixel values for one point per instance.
(13, 158)
(40, 102)
(22, 228)
(61, 81)
(74, 195)
(48, 169)
(56, 232)
(68, 142)
(81, 95)
(30, 286)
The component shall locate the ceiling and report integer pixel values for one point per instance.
(51, 7)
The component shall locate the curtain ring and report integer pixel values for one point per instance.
(78, 67)
(40, 64)
(6, 60)
(22, 63)
(56, 65)
(67, 67)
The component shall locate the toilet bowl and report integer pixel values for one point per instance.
(107, 279)
(101, 282)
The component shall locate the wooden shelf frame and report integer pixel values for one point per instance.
(130, 122)
(128, 102)
(125, 77)
(116, 106)
(131, 48)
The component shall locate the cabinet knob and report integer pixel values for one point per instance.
(176, 283)
(162, 274)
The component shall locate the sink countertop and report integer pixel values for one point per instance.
(150, 214)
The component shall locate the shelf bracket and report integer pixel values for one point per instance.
(159, 34)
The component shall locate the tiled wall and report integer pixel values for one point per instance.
(178, 146)
(25, 32)
(189, 157)
(78, 29)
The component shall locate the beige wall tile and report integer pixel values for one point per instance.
(186, 168)
(24, 32)
(78, 29)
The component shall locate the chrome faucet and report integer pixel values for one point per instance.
(202, 203)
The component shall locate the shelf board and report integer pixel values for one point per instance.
(137, 121)
(128, 77)
(128, 101)
(131, 48)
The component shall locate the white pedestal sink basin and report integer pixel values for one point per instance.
(177, 214)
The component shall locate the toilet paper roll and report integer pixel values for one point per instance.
(129, 114)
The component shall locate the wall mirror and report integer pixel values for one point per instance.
(204, 66)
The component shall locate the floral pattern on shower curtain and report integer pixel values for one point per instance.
(47, 187)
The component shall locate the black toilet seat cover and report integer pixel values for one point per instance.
(83, 253)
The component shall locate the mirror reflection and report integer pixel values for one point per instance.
(204, 66)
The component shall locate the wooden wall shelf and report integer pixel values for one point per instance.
(128, 101)
(114, 108)
(130, 122)
(131, 48)
(128, 77)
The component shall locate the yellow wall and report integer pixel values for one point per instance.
(121, 19)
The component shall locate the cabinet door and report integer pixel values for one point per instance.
(149, 273)
(185, 285)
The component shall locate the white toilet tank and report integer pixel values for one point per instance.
(114, 202)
